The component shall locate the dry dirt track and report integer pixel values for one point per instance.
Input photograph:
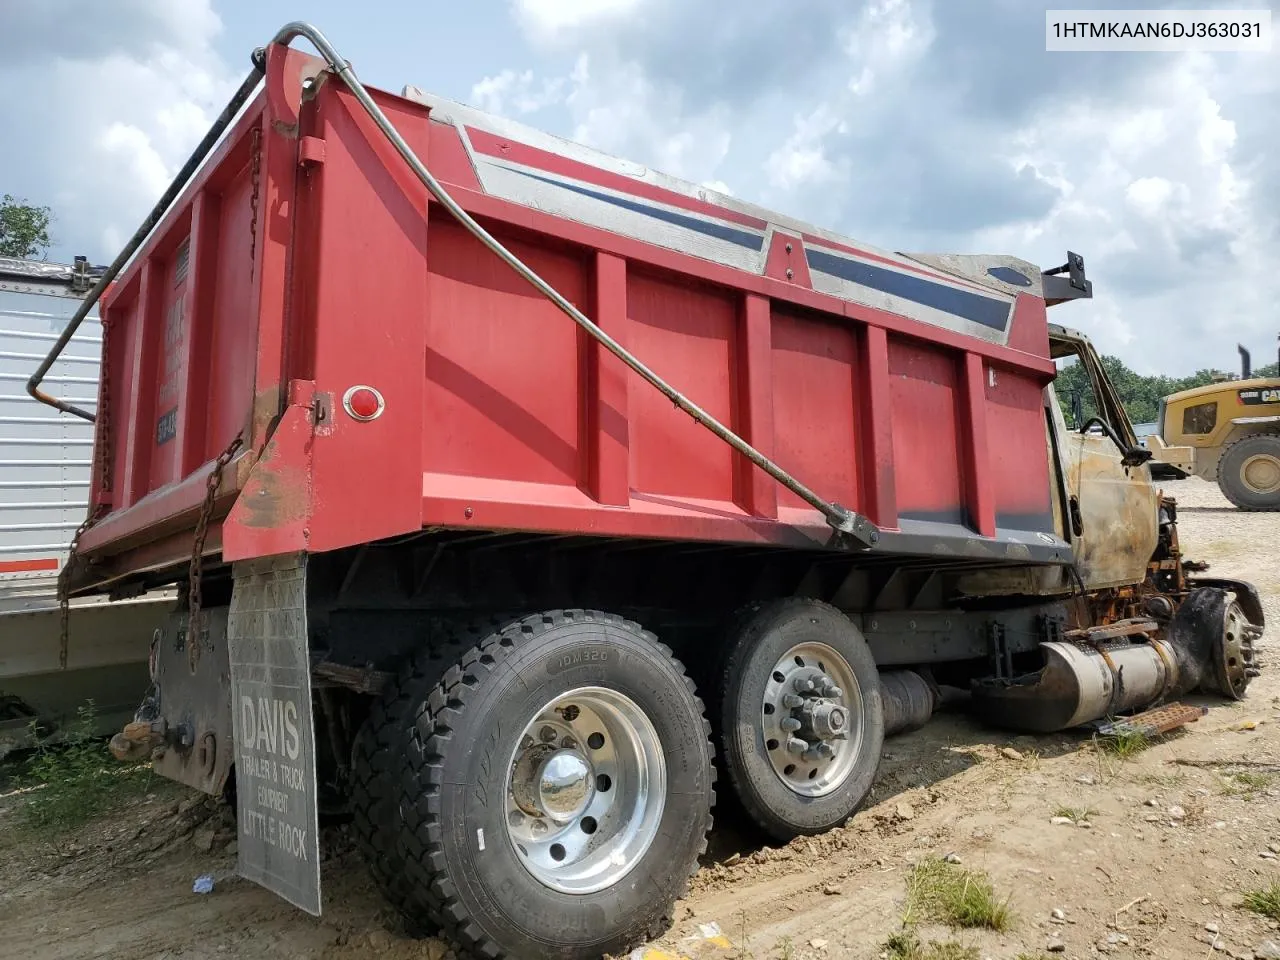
(1148, 880)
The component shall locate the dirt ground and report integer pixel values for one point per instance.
(1169, 841)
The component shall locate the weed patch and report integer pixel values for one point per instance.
(72, 781)
(947, 893)
(907, 946)
(1265, 901)
(1123, 745)
(1076, 814)
(1245, 784)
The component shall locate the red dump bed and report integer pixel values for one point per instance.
(305, 259)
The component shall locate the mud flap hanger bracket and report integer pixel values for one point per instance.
(847, 524)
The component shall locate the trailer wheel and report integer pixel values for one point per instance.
(801, 722)
(1249, 472)
(378, 751)
(557, 789)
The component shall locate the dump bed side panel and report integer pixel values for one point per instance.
(182, 361)
(194, 331)
(499, 413)
(306, 262)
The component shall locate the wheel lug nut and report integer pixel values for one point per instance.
(796, 745)
(526, 742)
(791, 701)
(547, 733)
(834, 691)
(790, 724)
(539, 828)
(803, 684)
(568, 743)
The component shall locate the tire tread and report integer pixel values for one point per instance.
(1229, 482)
(431, 891)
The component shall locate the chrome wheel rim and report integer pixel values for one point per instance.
(811, 719)
(586, 787)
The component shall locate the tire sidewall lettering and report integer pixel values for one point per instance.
(474, 797)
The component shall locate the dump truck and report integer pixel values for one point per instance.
(523, 500)
(50, 686)
(1226, 432)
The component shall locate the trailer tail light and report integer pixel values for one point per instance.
(363, 403)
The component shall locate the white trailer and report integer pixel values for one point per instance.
(44, 486)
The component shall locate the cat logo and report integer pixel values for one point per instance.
(1254, 397)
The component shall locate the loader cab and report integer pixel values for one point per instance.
(1112, 507)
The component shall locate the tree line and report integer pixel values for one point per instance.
(1139, 394)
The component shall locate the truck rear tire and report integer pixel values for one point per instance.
(1249, 472)
(801, 722)
(556, 791)
(378, 751)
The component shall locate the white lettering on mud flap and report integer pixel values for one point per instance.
(275, 738)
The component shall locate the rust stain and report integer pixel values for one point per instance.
(266, 407)
(276, 496)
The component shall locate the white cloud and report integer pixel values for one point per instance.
(558, 20)
(112, 118)
(888, 38)
(1149, 195)
(624, 112)
(904, 133)
(802, 159)
(1179, 242)
(511, 92)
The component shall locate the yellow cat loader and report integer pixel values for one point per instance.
(1226, 432)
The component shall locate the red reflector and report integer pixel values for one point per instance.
(363, 403)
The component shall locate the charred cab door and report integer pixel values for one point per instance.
(1112, 505)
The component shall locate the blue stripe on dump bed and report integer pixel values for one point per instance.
(961, 303)
(718, 230)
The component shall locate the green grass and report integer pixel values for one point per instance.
(950, 894)
(1124, 745)
(1265, 901)
(1075, 813)
(1245, 784)
(75, 780)
(907, 946)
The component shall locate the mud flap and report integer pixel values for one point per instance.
(275, 760)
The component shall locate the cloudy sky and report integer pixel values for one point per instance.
(916, 125)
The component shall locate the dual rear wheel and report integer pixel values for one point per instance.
(544, 786)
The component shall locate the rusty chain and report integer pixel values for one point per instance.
(64, 585)
(103, 420)
(195, 572)
(255, 170)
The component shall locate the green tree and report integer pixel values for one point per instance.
(24, 229)
(1140, 394)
